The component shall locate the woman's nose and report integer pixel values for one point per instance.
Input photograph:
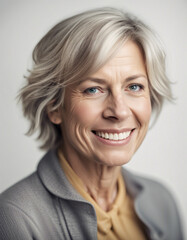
(117, 108)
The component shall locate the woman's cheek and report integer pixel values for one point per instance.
(86, 112)
(142, 109)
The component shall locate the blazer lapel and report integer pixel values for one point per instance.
(78, 214)
(145, 204)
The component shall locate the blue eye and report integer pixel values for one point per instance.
(136, 87)
(92, 90)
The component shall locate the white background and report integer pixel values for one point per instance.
(163, 154)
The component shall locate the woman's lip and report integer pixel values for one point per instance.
(114, 130)
(115, 142)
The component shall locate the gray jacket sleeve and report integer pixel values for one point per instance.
(15, 224)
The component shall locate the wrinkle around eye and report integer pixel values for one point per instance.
(136, 87)
(93, 91)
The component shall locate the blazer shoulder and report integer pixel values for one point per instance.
(148, 185)
(28, 195)
(156, 203)
(21, 190)
(16, 205)
(150, 192)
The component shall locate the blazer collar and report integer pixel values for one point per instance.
(52, 176)
(145, 202)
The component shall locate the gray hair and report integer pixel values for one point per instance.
(74, 49)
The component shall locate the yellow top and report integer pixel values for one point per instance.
(121, 222)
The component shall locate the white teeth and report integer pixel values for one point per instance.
(106, 136)
(113, 136)
(120, 136)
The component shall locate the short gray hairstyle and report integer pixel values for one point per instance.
(74, 49)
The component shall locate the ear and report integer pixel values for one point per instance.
(55, 117)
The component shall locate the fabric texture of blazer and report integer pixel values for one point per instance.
(45, 206)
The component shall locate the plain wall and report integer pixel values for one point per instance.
(163, 155)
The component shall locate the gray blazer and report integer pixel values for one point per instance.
(44, 206)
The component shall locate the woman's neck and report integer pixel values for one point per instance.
(100, 181)
(101, 185)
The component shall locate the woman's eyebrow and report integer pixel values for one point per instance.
(134, 77)
(103, 81)
(97, 80)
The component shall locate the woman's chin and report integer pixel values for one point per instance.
(112, 161)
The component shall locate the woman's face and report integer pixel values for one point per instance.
(106, 116)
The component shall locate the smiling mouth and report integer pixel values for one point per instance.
(113, 136)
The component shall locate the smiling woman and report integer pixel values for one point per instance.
(96, 80)
(107, 103)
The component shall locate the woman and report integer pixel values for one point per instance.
(96, 80)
